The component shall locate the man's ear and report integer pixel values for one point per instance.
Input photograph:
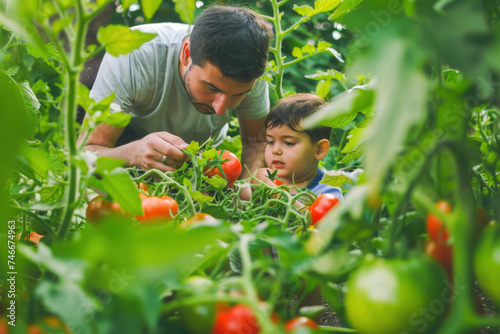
(186, 53)
(322, 147)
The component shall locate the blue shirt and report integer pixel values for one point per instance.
(319, 188)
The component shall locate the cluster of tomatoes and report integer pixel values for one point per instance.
(222, 318)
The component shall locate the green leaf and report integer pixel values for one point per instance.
(336, 178)
(193, 147)
(185, 9)
(12, 70)
(216, 181)
(400, 104)
(51, 194)
(345, 7)
(358, 99)
(322, 45)
(149, 8)
(323, 88)
(308, 48)
(297, 52)
(325, 5)
(336, 54)
(303, 10)
(354, 154)
(31, 102)
(38, 160)
(48, 53)
(60, 24)
(122, 189)
(355, 138)
(119, 39)
(126, 3)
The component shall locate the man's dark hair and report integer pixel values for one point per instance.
(292, 110)
(233, 39)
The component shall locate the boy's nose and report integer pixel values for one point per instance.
(277, 150)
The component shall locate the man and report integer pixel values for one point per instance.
(178, 87)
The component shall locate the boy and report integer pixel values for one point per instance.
(294, 152)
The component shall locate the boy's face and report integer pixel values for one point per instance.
(292, 153)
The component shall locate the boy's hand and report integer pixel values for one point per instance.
(262, 174)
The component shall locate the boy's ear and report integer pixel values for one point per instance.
(322, 148)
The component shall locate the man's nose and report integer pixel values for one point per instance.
(220, 103)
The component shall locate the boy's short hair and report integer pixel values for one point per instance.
(292, 110)
(233, 39)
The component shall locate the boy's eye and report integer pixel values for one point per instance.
(289, 143)
(270, 142)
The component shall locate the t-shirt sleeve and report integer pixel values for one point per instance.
(133, 79)
(114, 76)
(255, 104)
(335, 191)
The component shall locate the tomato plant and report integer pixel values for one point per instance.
(435, 227)
(321, 206)
(231, 169)
(388, 295)
(487, 262)
(158, 208)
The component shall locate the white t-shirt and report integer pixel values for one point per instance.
(148, 85)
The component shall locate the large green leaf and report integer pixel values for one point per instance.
(343, 108)
(14, 127)
(400, 104)
(149, 7)
(185, 9)
(345, 7)
(119, 39)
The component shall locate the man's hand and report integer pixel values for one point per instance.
(160, 150)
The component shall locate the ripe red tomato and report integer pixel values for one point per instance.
(158, 208)
(277, 182)
(238, 319)
(435, 227)
(231, 168)
(100, 208)
(321, 206)
(300, 322)
(442, 253)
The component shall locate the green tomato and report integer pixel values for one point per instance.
(198, 318)
(487, 262)
(397, 296)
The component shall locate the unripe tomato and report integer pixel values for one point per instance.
(321, 206)
(231, 168)
(100, 208)
(300, 322)
(487, 262)
(158, 208)
(435, 227)
(238, 319)
(397, 296)
(198, 318)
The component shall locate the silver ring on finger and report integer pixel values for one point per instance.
(164, 159)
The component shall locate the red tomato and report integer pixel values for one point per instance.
(238, 319)
(277, 182)
(300, 322)
(144, 187)
(442, 253)
(231, 168)
(321, 206)
(158, 208)
(435, 227)
(100, 208)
